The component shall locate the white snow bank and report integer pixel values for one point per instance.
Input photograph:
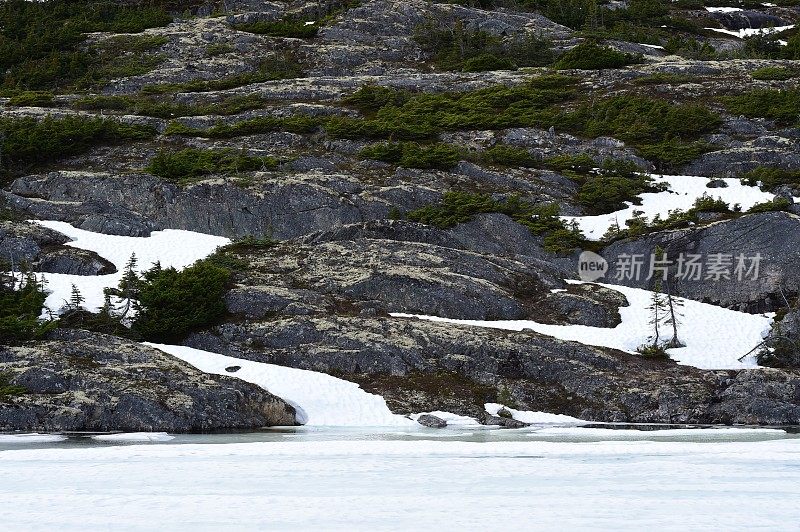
(528, 416)
(320, 399)
(134, 437)
(749, 32)
(682, 193)
(172, 247)
(31, 438)
(723, 9)
(452, 419)
(715, 337)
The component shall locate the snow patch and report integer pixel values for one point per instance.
(750, 32)
(320, 399)
(682, 193)
(715, 337)
(529, 416)
(134, 437)
(33, 437)
(172, 247)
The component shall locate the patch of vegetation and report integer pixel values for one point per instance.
(780, 105)
(771, 178)
(591, 56)
(8, 389)
(32, 99)
(663, 78)
(151, 106)
(21, 304)
(460, 207)
(471, 50)
(773, 74)
(505, 155)
(665, 133)
(282, 67)
(413, 155)
(27, 142)
(254, 126)
(298, 26)
(173, 303)
(219, 48)
(41, 42)
(189, 165)
(424, 116)
(776, 204)
(639, 225)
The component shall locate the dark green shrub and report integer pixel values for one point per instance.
(505, 155)
(485, 62)
(264, 124)
(771, 178)
(41, 42)
(20, 308)
(780, 105)
(190, 164)
(460, 207)
(7, 389)
(777, 204)
(32, 99)
(26, 141)
(414, 155)
(173, 303)
(370, 98)
(773, 73)
(591, 56)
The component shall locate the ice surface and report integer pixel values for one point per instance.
(134, 437)
(682, 193)
(172, 247)
(320, 399)
(31, 438)
(715, 337)
(405, 485)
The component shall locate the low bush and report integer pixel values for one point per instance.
(26, 141)
(173, 303)
(413, 155)
(777, 204)
(191, 164)
(591, 56)
(460, 207)
(505, 155)
(771, 178)
(254, 126)
(8, 389)
(773, 74)
(777, 104)
(32, 99)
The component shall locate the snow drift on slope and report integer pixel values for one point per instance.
(682, 193)
(320, 399)
(172, 247)
(715, 337)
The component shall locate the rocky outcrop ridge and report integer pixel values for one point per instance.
(81, 381)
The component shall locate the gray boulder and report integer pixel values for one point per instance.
(428, 420)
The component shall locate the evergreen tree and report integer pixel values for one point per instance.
(76, 299)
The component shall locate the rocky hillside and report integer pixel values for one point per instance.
(376, 157)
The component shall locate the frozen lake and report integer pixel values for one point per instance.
(460, 478)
